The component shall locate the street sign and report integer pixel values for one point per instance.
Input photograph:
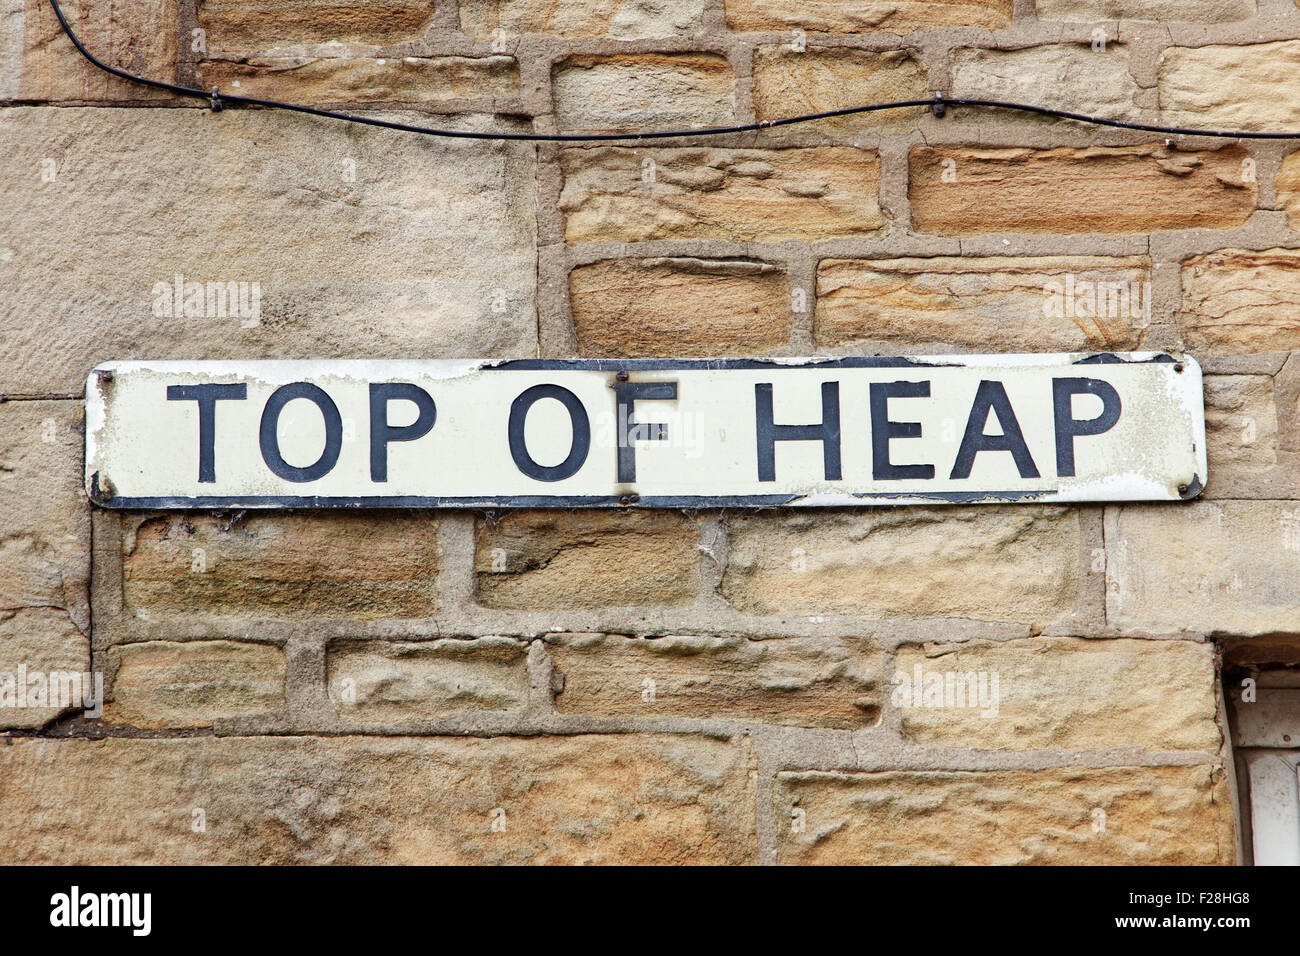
(646, 432)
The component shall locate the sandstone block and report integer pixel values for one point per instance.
(34, 643)
(1209, 566)
(1061, 693)
(1240, 422)
(881, 16)
(1230, 87)
(537, 560)
(45, 518)
(1287, 186)
(395, 681)
(258, 24)
(967, 192)
(406, 79)
(342, 242)
(788, 83)
(644, 91)
(804, 682)
(192, 684)
(615, 19)
(614, 194)
(1159, 11)
(1079, 78)
(292, 566)
(1058, 303)
(1151, 815)
(907, 563)
(1237, 300)
(40, 63)
(652, 307)
(589, 799)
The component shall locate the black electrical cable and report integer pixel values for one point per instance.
(938, 104)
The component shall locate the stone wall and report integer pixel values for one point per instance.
(637, 686)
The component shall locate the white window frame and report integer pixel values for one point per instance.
(1266, 738)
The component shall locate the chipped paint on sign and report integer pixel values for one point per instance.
(647, 432)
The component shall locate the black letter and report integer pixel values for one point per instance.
(269, 438)
(581, 433)
(1067, 426)
(992, 395)
(827, 431)
(381, 433)
(207, 396)
(882, 430)
(630, 432)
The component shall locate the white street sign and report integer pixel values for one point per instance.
(651, 432)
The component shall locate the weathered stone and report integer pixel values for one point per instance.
(407, 79)
(429, 252)
(866, 16)
(554, 559)
(1060, 694)
(614, 194)
(39, 62)
(1230, 87)
(1160, 11)
(191, 684)
(40, 640)
(615, 19)
(1115, 815)
(641, 91)
(787, 83)
(649, 307)
(1240, 422)
(1209, 566)
(908, 563)
(987, 304)
(1237, 300)
(1094, 189)
(266, 24)
(1287, 186)
(45, 518)
(298, 566)
(589, 799)
(800, 681)
(390, 681)
(1081, 79)
(11, 47)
